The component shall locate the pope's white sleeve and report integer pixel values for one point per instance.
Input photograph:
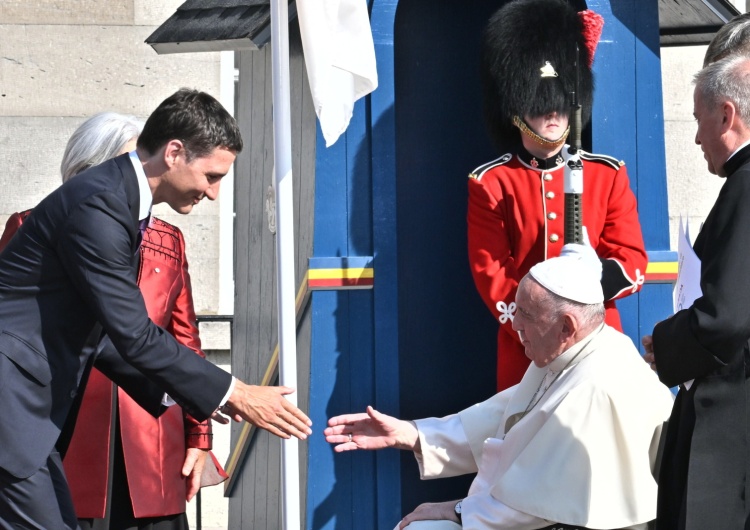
(445, 450)
(452, 445)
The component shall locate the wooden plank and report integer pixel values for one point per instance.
(241, 445)
(627, 123)
(241, 330)
(385, 297)
(431, 190)
(255, 481)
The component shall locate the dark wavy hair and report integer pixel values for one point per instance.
(196, 119)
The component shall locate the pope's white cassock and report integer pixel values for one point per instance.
(581, 451)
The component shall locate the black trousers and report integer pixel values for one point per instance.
(39, 502)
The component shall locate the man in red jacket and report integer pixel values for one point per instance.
(516, 202)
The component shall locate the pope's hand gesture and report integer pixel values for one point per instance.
(371, 430)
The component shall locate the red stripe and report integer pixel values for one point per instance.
(663, 276)
(339, 282)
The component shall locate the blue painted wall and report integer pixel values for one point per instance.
(628, 123)
(447, 337)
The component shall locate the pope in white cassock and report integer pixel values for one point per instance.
(571, 446)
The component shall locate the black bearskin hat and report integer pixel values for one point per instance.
(520, 38)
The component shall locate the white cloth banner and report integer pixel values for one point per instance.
(340, 58)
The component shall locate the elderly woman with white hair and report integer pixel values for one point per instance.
(155, 465)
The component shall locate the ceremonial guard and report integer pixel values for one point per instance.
(536, 60)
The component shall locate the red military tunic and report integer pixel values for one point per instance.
(153, 449)
(516, 219)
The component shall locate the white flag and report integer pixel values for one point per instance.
(340, 59)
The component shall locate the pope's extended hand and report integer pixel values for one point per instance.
(370, 430)
(266, 407)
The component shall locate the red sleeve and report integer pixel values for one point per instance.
(11, 227)
(198, 435)
(184, 327)
(621, 241)
(492, 264)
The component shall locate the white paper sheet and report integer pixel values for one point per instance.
(687, 287)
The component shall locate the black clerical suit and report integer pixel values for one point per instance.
(70, 267)
(705, 472)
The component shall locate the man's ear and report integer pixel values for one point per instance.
(729, 114)
(173, 149)
(569, 327)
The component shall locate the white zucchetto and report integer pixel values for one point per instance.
(574, 275)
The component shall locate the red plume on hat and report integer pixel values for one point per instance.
(592, 24)
(530, 49)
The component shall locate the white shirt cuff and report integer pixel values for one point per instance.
(167, 400)
(229, 392)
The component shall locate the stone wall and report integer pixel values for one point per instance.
(691, 189)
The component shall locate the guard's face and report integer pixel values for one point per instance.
(550, 126)
(709, 135)
(187, 183)
(536, 324)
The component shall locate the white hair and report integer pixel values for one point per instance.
(99, 138)
(590, 314)
(726, 79)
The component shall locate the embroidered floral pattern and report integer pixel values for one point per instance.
(507, 311)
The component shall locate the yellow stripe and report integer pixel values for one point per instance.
(662, 267)
(331, 274)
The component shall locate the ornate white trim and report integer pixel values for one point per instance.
(507, 311)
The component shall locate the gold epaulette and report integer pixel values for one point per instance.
(481, 170)
(605, 159)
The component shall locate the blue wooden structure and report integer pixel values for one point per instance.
(392, 193)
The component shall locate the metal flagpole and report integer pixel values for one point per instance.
(285, 280)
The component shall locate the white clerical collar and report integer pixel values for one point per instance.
(143, 188)
(567, 356)
(737, 150)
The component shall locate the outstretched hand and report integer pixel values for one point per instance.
(266, 407)
(370, 430)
